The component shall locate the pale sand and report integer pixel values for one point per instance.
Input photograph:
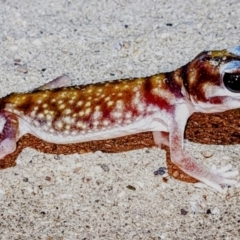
(74, 197)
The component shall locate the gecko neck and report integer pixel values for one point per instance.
(177, 82)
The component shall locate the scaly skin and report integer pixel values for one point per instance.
(161, 103)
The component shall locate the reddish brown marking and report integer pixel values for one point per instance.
(151, 98)
(172, 85)
(216, 100)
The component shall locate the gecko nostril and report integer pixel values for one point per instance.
(232, 81)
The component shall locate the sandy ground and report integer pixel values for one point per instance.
(111, 196)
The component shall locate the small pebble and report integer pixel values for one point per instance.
(118, 46)
(47, 178)
(57, 157)
(17, 60)
(22, 68)
(207, 154)
(104, 167)
(160, 171)
(25, 179)
(130, 187)
(139, 39)
(208, 211)
(126, 45)
(184, 212)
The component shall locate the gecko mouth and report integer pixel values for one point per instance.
(231, 76)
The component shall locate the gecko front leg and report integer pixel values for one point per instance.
(212, 178)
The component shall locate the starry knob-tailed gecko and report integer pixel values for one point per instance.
(162, 103)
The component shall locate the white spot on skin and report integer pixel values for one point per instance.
(116, 114)
(74, 133)
(39, 101)
(67, 127)
(62, 106)
(66, 132)
(89, 90)
(49, 123)
(87, 111)
(40, 115)
(128, 121)
(96, 115)
(110, 103)
(136, 99)
(119, 105)
(119, 122)
(81, 125)
(45, 105)
(141, 107)
(128, 115)
(33, 114)
(16, 111)
(67, 111)
(88, 104)
(135, 89)
(63, 94)
(95, 123)
(68, 120)
(106, 122)
(80, 103)
(59, 124)
(49, 117)
(81, 113)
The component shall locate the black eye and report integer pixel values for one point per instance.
(232, 82)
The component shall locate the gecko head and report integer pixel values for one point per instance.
(213, 80)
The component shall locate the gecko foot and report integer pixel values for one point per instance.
(226, 172)
(219, 178)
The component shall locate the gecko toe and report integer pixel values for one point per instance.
(229, 182)
(230, 174)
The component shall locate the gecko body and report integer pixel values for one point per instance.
(161, 103)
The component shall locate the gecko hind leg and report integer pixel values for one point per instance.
(62, 81)
(9, 133)
(161, 138)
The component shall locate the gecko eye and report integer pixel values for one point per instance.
(232, 81)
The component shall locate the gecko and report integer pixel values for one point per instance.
(63, 114)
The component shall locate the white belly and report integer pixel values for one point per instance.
(150, 123)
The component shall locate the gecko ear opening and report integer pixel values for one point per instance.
(232, 81)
